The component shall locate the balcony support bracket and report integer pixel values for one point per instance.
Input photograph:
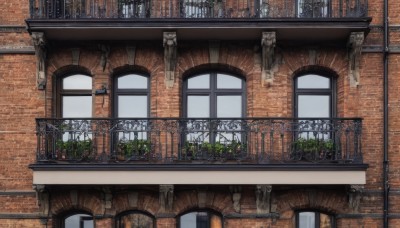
(236, 192)
(107, 199)
(170, 57)
(354, 46)
(43, 199)
(39, 42)
(268, 42)
(263, 198)
(166, 197)
(355, 194)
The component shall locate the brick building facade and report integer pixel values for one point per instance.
(171, 113)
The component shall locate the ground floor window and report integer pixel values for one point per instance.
(134, 219)
(78, 221)
(200, 219)
(311, 219)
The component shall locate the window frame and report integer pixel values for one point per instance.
(129, 92)
(331, 92)
(124, 213)
(64, 216)
(328, 13)
(317, 215)
(60, 92)
(208, 211)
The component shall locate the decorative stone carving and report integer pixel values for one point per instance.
(214, 51)
(355, 194)
(166, 197)
(354, 45)
(131, 53)
(42, 197)
(105, 52)
(74, 197)
(268, 42)
(133, 199)
(75, 56)
(236, 192)
(263, 198)
(107, 197)
(170, 57)
(312, 56)
(202, 198)
(39, 42)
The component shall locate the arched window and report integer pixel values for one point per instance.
(131, 96)
(134, 219)
(200, 219)
(75, 96)
(77, 220)
(314, 96)
(214, 95)
(312, 219)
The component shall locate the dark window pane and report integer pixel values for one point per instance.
(199, 82)
(313, 81)
(314, 106)
(198, 107)
(132, 106)
(228, 82)
(77, 82)
(132, 81)
(307, 220)
(76, 106)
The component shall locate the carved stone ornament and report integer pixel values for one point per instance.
(170, 57)
(39, 42)
(236, 192)
(107, 198)
(105, 52)
(42, 196)
(354, 45)
(263, 198)
(268, 42)
(214, 51)
(355, 194)
(131, 53)
(166, 197)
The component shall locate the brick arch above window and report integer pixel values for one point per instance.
(223, 68)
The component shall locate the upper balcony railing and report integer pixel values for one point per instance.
(196, 9)
(203, 141)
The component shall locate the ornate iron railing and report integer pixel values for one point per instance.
(125, 9)
(169, 140)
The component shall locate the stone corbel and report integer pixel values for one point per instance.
(354, 45)
(170, 57)
(107, 198)
(166, 197)
(105, 52)
(131, 53)
(43, 202)
(355, 194)
(236, 192)
(39, 42)
(268, 42)
(263, 198)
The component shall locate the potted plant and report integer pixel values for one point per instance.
(312, 149)
(74, 149)
(133, 149)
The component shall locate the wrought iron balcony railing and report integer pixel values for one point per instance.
(208, 141)
(218, 9)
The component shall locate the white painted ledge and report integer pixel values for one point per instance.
(198, 177)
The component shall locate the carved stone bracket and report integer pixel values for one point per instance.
(170, 57)
(105, 52)
(214, 46)
(107, 198)
(355, 194)
(354, 45)
(263, 198)
(39, 42)
(268, 42)
(166, 197)
(131, 53)
(75, 56)
(236, 192)
(42, 196)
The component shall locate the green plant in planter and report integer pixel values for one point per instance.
(74, 149)
(136, 147)
(190, 150)
(312, 148)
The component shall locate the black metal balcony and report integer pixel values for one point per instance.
(303, 21)
(200, 141)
